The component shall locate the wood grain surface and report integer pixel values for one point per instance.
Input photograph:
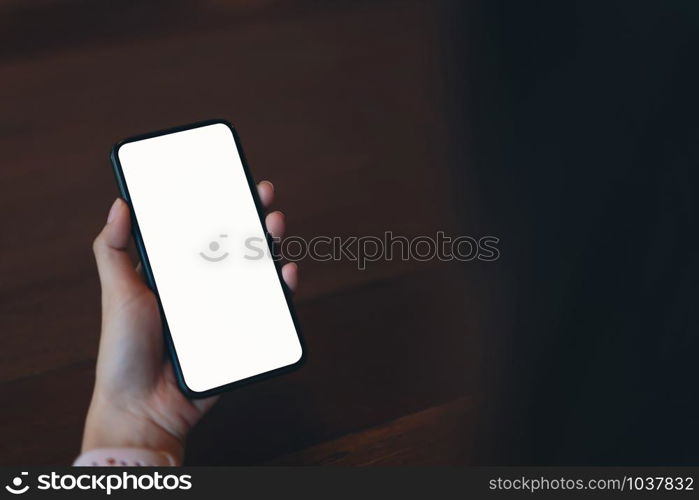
(343, 115)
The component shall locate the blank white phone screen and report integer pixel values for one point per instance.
(219, 289)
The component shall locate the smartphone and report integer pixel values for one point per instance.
(227, 314)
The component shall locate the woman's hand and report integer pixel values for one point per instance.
(136, 401)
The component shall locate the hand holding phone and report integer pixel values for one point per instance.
(137, 401)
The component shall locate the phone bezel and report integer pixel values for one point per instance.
(140, 246)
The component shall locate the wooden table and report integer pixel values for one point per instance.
(345, 116)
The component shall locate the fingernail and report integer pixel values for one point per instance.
(113, 211)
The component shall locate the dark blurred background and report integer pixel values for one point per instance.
(566, 128)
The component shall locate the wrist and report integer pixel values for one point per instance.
(110, 427)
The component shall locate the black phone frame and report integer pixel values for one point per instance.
(141, 248)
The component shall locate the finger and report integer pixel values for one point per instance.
(290, 273)
(276, 224)
(265, 190)
(116, 272)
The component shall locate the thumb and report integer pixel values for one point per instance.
(117, 274)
